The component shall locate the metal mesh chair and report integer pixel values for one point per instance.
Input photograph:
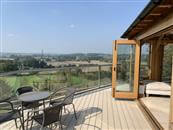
(10, 113)
(67, 100)
(24, 89)
(27, 105)
(49, 115)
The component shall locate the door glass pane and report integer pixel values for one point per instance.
(125, 67)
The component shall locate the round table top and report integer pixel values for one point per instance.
(34, 96)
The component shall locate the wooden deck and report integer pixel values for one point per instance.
(159, 107)
(97, 110)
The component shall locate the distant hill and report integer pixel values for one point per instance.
(52, 54)
(62, 57)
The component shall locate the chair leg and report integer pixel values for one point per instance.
(23, 120)
(60, 125)
(27, 120)
(64, 110)
(15, 120)
(41, 128)
(32, 122)
(74, 111)
(20, 118)
(20, 127)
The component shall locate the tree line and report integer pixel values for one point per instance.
(23, 63)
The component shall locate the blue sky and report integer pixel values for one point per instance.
(65, 27)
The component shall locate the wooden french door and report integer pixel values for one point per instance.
(125, 70)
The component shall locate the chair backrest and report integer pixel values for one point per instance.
(6, 113)
(24, 89)
(52, 114)
(69, 95)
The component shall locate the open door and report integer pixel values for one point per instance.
(125, 70)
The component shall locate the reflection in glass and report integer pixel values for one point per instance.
(125, 67)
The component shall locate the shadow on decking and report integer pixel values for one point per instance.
(69, 121)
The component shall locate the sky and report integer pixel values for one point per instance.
(58, 27)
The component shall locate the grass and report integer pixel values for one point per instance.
(78, 80)
(83, 80)
(16, 81)
(11, 80)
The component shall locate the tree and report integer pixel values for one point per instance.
(34, 63)
(6, 66)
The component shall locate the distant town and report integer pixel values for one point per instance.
(25, 61)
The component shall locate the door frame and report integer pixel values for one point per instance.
(126, 95)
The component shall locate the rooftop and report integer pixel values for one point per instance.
(155, 11)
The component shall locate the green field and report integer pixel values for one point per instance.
(52, 81)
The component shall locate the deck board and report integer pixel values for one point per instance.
(105, 122)
(139, 119)
(92, 115)
(86, 113)
(98, 110)
(109, 108)
(116, 115)
(132, 116)
(123, 120)
(99, 115)
(128, 117)
(159, 107)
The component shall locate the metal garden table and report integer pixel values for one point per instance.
(32, 97)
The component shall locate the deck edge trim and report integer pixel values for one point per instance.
(153, 122)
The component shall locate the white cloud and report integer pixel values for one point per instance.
(72, 26)
(10, 35)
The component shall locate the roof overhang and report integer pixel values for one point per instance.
(152, 13)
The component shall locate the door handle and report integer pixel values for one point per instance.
(115, 68)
